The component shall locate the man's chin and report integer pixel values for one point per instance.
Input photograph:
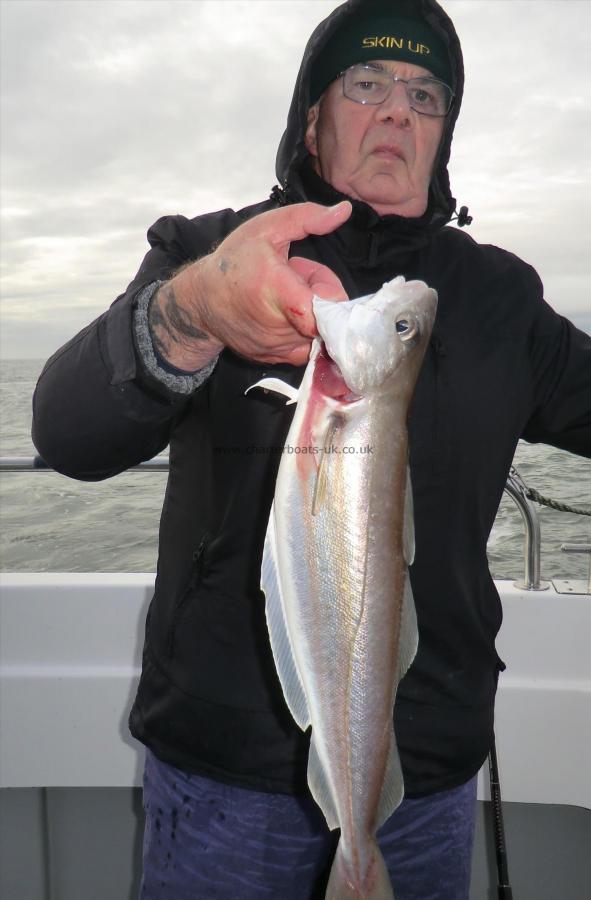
(388, 194)
(391, 202)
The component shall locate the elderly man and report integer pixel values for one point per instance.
(217, 301)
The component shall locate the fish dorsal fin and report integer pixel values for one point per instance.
(408, 640)
(278, 387)
(408, 534)
(320, 787)
(281, 645)
(321, 483)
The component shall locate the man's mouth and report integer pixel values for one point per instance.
(388, 151)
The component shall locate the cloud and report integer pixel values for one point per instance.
(522, 156)
(115, 112)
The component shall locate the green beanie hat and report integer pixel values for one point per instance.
(369, 36)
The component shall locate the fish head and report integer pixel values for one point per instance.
(380, 337)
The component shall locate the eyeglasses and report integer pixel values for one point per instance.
(373, 85)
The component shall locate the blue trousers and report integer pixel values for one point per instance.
(210, 841)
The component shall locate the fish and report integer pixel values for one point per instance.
(339, 606)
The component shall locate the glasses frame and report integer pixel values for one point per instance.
(394, 79)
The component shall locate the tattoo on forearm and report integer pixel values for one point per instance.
(169, 324)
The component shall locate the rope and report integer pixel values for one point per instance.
(532, 494)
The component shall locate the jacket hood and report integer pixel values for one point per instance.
(292, 151)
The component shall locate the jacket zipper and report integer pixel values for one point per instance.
(441, 461)
(198, 558)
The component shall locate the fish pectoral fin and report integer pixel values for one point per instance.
(278, 387)
(321, 483)
(320, 787)
(281, 644)
(319, 494)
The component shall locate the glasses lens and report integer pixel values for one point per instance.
(364, 84)
(425, 95)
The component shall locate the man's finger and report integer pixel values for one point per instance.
(295, 303)
(299, 356)
(321, 280)
(293, 223)
(295, 298)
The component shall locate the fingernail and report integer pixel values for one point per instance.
(338, 206)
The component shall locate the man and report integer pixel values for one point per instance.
(218, 300)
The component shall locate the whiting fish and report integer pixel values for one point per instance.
(339, 605)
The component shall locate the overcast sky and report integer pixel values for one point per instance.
(115, 112)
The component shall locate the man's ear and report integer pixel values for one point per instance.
(311, 128)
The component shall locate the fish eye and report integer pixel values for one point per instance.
(408, 330)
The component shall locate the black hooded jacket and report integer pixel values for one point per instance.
(501, 365)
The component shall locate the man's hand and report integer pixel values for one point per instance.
(247, 294)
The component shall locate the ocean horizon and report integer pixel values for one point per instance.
(53, 523)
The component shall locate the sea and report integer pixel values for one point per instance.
(50, 523)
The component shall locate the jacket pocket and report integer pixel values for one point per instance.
(195, 574)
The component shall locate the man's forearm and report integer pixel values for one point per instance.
(175, 317)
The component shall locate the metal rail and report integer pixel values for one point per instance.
(515, 488)
(37, 464)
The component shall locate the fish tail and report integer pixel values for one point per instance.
(345, 884)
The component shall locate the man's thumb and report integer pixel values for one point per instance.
(293, 223)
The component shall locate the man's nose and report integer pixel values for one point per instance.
(396, 106)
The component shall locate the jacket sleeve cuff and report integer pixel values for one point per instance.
(175, 380)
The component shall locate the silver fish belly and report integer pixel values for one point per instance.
(339, 607)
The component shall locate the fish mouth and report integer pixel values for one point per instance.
(330, 380)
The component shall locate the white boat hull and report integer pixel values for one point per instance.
(70, 655)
